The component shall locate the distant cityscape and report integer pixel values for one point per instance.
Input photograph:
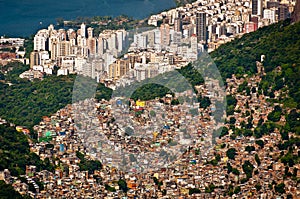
(173, 39)
(177, 37)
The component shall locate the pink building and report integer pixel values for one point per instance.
(250, 27)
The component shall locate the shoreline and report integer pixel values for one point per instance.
(45, 22)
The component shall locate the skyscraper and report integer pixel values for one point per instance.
(178, 25)
(91, 42)
(165, 34)
(92, 46)
(201, 28)
(118, 69)
(39, 42)
(64, 48)
(101, 46)
(283, 13)
(194, 45)
(90, 32)
(121, 35)
(257, 7)
(270, 14)
(82, 30)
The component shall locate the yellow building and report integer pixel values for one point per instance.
(140, 103)
(19, 129)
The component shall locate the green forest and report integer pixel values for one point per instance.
(25, 102)
(8, 192)
(15, 153)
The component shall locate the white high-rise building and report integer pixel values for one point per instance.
(90, 32)
(73, 42)
(79, 40)
(194, 44)
(151, 39)
(101, 45)
(108, 59)
(39, 42)
(157, 36)
(52, 39)
(270, 14)
(44, 55)
(88, 69)
(82, 30)
(141, 41)
(165, 35)
(112, 41)
(50, 28)
(120, 40)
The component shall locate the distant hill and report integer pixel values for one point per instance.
(183, 2)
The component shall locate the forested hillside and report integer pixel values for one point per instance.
(24, 102)
(280, 43)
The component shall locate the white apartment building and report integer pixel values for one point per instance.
(270, 14)
(40, 39)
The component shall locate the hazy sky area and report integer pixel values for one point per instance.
(23, 17)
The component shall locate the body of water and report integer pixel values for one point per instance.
(25, 17)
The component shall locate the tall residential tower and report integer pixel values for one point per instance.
(201, 27)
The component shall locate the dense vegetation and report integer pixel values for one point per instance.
(28, 45)
(15, 153)
(149, 91)
(8, 192)
(88, 165)
(25, 102)
(13, 70)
